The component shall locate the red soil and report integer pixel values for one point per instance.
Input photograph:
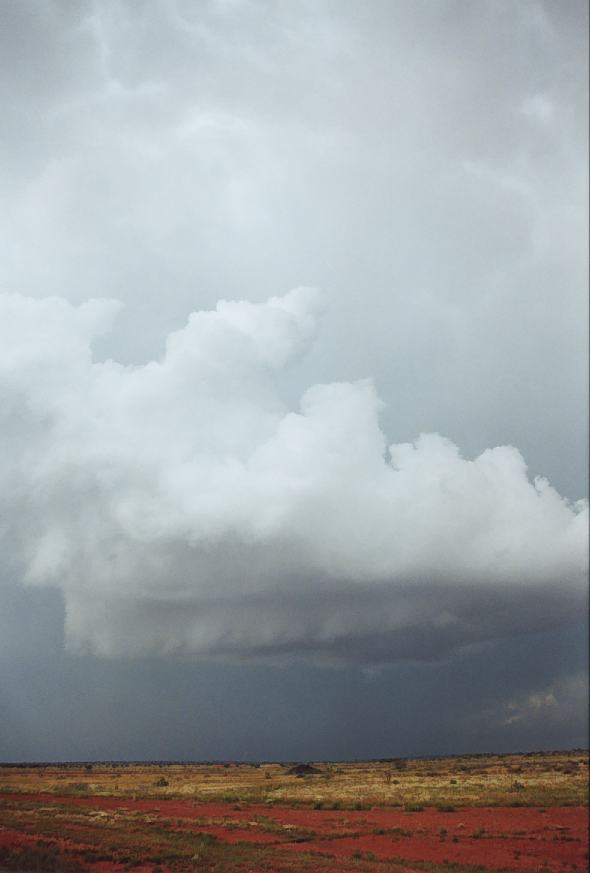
(515, 838)
(15, 840)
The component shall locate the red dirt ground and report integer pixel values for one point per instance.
(513, 838)
(15, 839)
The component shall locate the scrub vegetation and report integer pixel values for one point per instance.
(458, 815)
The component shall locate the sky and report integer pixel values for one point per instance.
(293, 378)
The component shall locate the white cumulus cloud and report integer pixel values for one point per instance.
(182, 508)
(563, 703)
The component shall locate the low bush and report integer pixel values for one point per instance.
(41, 857)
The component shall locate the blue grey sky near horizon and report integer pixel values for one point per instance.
(293, 378)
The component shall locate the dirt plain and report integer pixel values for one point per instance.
(460, 815)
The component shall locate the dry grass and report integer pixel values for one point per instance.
(49, 820)
(540, 779)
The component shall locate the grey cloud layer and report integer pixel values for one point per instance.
(182, 508)
(427, 164)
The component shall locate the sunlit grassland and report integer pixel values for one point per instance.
(539, 779)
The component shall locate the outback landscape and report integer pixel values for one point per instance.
(524, 812)
(294, 436)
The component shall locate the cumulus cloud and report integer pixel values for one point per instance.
(182, 508)
(426, 162)
(561, 705)
(535, 704)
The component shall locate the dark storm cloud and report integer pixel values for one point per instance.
(61, 707)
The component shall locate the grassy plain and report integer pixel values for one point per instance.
(539, 779)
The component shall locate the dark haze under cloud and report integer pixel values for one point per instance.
(230, 491)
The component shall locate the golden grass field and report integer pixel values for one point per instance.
(539, 779)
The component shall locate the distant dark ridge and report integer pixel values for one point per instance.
(289, 763)
(464, 755)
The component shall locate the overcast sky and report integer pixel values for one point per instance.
(293, 378)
